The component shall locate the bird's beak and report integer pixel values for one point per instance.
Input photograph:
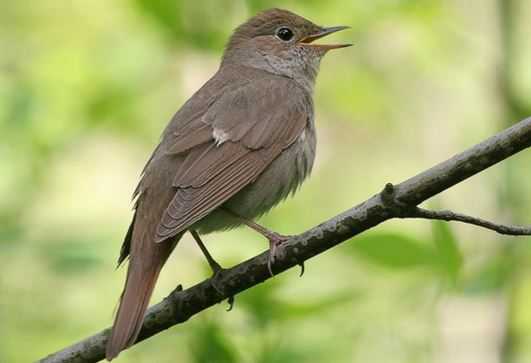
(322, 33)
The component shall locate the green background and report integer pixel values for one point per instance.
(85, 90)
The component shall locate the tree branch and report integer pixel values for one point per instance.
(447, 215)
(392, 202)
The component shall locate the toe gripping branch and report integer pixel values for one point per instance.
(272, 258)
(214, 280)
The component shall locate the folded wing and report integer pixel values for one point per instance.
(230, 145)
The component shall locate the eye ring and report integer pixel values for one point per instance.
(284, 33)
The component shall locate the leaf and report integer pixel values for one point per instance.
(394, 250)
(448, 253)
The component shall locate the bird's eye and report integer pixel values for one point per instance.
(284, 34)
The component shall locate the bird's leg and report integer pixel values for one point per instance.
(275, 239)
(216, 267)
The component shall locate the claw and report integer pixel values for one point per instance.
(269, 267)
(275, 240)
(230, 301)
(302, 269)
(215, 276)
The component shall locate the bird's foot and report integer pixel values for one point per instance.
(275, 240)
(217, 270)
(216, 275)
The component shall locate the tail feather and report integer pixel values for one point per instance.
(133, 305)
(146, 259)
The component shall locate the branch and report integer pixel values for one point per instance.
(392, 202)
(447, 215)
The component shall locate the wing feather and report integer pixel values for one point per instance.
(191, 204)
(186, 141)
(212, 172)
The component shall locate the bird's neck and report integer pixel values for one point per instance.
(302, 71)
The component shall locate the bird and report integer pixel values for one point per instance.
(242, 143)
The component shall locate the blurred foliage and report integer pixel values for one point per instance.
(85, 89)
(450, 257)
(210, 345)
(394, 250)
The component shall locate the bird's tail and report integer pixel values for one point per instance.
(142, 275)
(133, 304)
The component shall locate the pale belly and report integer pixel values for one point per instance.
(278, 181)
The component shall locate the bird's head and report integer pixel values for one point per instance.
(280, 42)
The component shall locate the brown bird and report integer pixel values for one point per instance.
(241, 144)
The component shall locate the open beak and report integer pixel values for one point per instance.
(322, 33)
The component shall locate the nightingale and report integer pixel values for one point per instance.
(241, 144)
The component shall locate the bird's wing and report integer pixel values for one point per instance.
(230, 145)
